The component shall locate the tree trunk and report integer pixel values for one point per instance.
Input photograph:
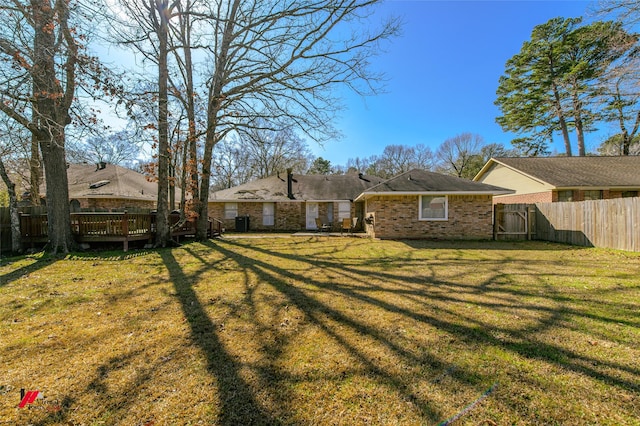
(628, 137)
(214, 100)
(202, 208)
(16, 236)
(562, 120)
(51, 106)
(172, 187)
(57, 195)
(191, 163)
(163, 230)
(577, 113)
(183, 180)
(35, 172)
(580, 136)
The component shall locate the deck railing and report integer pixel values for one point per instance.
(110, 227)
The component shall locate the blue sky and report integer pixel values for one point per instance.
(443, 74)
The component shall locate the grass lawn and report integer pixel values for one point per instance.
(323, 331)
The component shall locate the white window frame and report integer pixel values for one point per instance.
(565, 195)
(268, 214)
(437, 219)
(344, 210)
(230, 210)
(588, 194)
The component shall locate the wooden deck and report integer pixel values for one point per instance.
(110, 227)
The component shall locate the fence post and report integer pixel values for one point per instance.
(125, 230)
(531, 215)
(496, 221)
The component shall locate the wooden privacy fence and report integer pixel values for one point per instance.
(514, 221)
(613, 223)
(5, 229)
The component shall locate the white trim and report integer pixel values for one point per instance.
(345, 212)
(311, 214)
(228, 212)
(486, 168)
(268, 214)
(434, 219)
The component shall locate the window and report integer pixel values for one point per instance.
(344, 210)
(626, 194)
(434, 207)
(268, 214)
(230, 210)
(593, 195)
(565, 195)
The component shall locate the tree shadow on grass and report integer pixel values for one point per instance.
(16, 274)
(333, 323)
(521, 342)
(238, 402)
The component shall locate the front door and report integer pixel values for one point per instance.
(312, 214)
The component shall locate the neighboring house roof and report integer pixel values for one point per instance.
(88, 181)
(303, 188)
(424, 183)
(573, 172)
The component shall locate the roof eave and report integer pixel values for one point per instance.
(365, 195)
(597, 188)
(516, 170)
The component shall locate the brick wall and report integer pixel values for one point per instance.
(537, 197)
(115, 203)
(578, 195)
(470, 217)
(288, 216)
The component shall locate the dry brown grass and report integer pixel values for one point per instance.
(323, 331)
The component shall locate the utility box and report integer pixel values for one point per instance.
(242, 223)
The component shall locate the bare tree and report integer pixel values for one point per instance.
(626, 11)
(395, 159)
(619, 91)
(11, 142)
(359, 164)
(119, 148)
(148, 33)
(230, 164)
(39, 59)
(456, 155)
(269, 151)
(281, 61)
(273, 61)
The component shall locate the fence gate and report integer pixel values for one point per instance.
(513, 221)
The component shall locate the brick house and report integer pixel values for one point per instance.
(553, 179)
(291, 202)
(422, 204)
(109, 187)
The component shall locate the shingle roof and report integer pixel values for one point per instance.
(563, 172)
(122, 183)
(422, 181)
(304, 187)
